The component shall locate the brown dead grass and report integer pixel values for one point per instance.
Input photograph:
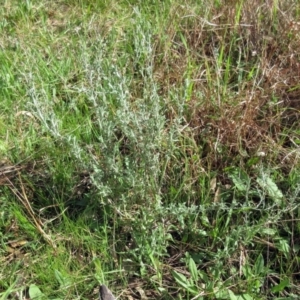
(251, 112)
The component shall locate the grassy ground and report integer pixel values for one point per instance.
(152, 146)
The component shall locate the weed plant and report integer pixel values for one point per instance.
(152, 146)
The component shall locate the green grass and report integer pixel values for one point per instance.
(151, 146)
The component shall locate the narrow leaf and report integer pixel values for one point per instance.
(259, 265)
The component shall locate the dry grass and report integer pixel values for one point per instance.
(143, 138)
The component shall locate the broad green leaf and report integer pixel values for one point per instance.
(64, 281)
(281, 286)
(193, 269)
(284, 247)
(205, 220)
(181, 279)
(35, 293)
(203, 276)
(272, 190)
(232, 295)
(226, 294)
(223, 294)
(268, 231)
(245, 297)
(240, 179)
(259, 265)
(247, 271)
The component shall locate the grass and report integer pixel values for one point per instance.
(151, 146)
